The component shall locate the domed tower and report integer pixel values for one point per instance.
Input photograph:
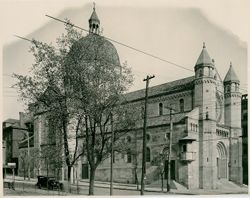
(232, 99)
(94, 22)
(205, 99)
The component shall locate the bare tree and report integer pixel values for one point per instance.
(23, 156)
(159, 161)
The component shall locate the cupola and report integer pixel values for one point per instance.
(94, 22)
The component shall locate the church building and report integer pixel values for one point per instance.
(206, 135)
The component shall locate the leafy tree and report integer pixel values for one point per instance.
(80, 84)
(98, 83)
(46, 92)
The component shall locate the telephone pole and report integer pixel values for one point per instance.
(170, 148)
(144, 135)
(112, 156)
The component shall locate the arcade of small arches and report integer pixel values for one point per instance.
(221, 133)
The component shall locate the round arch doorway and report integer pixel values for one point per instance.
(221, 161)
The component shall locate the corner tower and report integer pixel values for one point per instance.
(205, 99)
(205, 85)
(233, 121)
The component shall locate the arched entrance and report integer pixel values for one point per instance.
(221, 161)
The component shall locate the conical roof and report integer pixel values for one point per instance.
(231, 75)
(204, 58)
(94, 16)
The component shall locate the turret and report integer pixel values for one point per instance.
(205, 85)
(232, 99)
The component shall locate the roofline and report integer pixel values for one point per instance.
(160, 94)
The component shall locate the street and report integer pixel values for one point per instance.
(83, 191)
(28, 188)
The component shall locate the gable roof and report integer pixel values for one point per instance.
(166, 88)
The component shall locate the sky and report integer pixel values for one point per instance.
(172, 30)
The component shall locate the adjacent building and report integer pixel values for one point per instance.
(15, 133)
(244, 120)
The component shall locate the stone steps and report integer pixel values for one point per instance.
(225, 184)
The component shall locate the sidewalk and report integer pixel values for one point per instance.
(132, 187)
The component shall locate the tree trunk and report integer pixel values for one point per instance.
(162, 182)
(136, 179)
(69, 178)
(91, 181)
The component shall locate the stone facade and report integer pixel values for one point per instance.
(207, 143)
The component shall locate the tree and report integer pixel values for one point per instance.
(159, 160)
(98, 82)
(46, 92)
(23, 156)
(79, 84)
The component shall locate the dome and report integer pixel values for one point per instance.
(94, 47)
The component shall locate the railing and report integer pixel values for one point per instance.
(188, 156)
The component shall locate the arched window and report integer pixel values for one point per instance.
(181, 105)
(200, 73)
(160, 108)
(148, 154)
(147, 137)
(236, 87)
(129, 156)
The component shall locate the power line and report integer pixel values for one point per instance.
(120, 43)
(125, 45)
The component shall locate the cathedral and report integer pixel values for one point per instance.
(206, 135)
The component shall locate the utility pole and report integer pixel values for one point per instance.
(170, 149)
(28, 155)
(144, 135)
(112, 156)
